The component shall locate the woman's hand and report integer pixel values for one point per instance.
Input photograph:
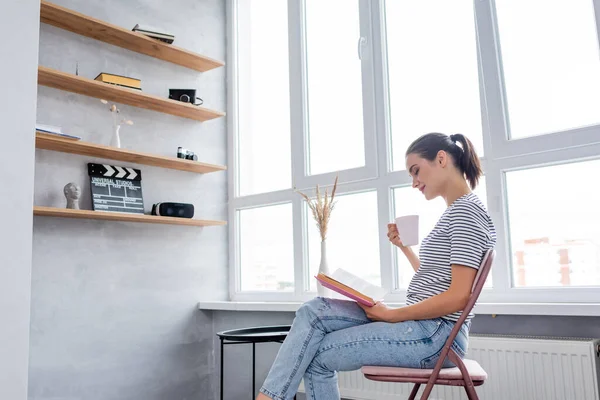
(379, 312)
(393, 235)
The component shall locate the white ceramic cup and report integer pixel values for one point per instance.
(408, 229)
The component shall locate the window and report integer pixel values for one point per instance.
(552, 70)
(266, 248)
(557, 242)
(335, 111)
(353, 238)
(432, 64)
(264, 108)
(326, 88)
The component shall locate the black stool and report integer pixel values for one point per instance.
(259, 334)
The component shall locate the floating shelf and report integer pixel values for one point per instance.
(87, 26)
(133, 97)
(47, 142)
(117, 216)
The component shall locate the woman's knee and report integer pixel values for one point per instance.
(310, 308)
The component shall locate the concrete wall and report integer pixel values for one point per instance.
(19, 20)
(114, 303)
(238, 357)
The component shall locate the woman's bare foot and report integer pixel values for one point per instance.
(262, 397)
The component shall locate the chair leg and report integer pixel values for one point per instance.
(469, 387)
(413, 394)
(471, 393)
(427, 391)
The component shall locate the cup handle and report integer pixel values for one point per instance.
(201, 102)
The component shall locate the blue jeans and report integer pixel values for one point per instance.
(330, 335)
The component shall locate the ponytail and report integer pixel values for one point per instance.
(468, 161)
(457, 145)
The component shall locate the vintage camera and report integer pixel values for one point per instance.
(170, 209)
(185, 96)
(186, 154)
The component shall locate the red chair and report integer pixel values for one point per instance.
(467, 373)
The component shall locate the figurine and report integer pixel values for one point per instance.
(72, 193)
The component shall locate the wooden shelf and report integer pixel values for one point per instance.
(117, 216)
(47, 142)
(133, 97)
(87, 26)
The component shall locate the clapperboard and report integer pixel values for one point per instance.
(116, 188)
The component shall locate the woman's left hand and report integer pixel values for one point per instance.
(379, 312)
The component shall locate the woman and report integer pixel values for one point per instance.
(335, 335)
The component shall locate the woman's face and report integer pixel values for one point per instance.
(428, 176)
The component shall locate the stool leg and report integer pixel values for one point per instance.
(253, 369)
(222, 369)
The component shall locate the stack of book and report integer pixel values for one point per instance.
(50, 130)
(119, 80)
(154, 33)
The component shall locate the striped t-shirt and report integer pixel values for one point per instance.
(461, 236)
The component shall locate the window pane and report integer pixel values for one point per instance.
(432, 68)
(352, 238)
(264, 108)
(409, 201)
(551, 64)
(554, 229)
(267, 248)
(335, 111)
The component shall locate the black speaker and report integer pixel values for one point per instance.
(169, 209)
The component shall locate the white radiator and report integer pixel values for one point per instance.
(523, 368)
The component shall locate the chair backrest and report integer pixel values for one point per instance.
(447, 351)
(483, 272)
(480, 278)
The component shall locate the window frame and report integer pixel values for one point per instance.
(299, 101)
(502, 155)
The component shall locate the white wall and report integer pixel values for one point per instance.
(19, 28)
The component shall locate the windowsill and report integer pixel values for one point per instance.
(563, 309)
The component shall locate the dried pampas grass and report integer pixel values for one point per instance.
(321, 208)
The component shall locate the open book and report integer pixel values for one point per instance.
(353, 287)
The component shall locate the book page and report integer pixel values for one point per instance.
(375, 292)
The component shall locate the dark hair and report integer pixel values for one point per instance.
(457, 145)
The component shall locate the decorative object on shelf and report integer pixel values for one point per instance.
(154, 33)
(185, 96)
(55, 131)
(115, 140)
(321, 209)
(59, 135)
(186, 154)
(48, 128)
(170, 209)
(116, 188)
(119, 80)
(72, 193)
